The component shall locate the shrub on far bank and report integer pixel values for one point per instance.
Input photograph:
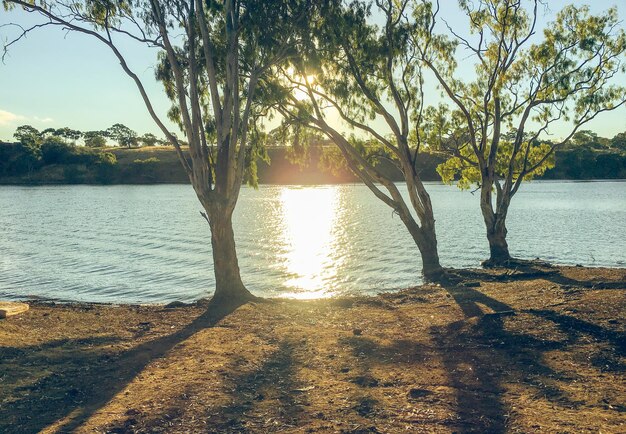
(55, 151)
(18, 159)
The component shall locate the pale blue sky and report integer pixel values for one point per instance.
(56, 79)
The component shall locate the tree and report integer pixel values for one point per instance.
(64, 133)
(589, 139)
(123, 135)
(95, 139)
(356, 71)
(568, 77)
(213, 55)
(619, 141)
(55, 150)
(28, 136)
(68, 133)
(149, 139)
(28, 155)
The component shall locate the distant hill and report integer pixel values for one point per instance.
(159, 164)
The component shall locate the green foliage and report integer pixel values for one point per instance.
(95, 139)
(149, 139)
(568, 76)
(65, 133)
(17, 159)
(54, 150)
(465, 170)
(256, 150)
(298, 140)
(105, 167)
(28, 136)
(619, 141)
(123, 135)
(331, 161)
(106, 159)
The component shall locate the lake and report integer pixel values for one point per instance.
(149, 244)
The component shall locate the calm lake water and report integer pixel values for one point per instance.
(131, 244)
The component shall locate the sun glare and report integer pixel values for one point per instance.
(309, 216)
(300, 92)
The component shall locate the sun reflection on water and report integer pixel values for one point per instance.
(309, 218)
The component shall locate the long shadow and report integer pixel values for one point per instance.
(273, 382)
(537, 271)
(469, 362)
(471, 370)
(480, 356)
(575, 326)
(607, 359)
(369, 354)
(469, 300)
(271, 385)
(71, 396)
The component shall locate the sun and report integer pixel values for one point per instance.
(300, 92)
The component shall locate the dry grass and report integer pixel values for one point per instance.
(530, 352)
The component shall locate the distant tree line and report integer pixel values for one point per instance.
(589, 156)
(311, 161)
(35, 149)
(119, 133)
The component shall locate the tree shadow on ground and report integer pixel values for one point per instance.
(88, 377)
(262, 400)
(607, 359)
(472, 364)
(533, 270)
(270, 391)
(481, 355)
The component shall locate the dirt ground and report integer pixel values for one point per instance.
(535, 350)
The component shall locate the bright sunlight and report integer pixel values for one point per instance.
(309, 216)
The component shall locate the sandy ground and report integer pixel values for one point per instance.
(540, 350)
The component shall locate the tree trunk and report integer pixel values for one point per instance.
(228, 284)
(426, 241)
(431, 268)
(498, 247)
(495, 222)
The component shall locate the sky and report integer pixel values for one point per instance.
(59, 79)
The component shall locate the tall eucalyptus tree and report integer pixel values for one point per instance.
(495, 130)
(352, 70)
(213, 55)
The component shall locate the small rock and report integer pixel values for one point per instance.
(365, 381)
(357, 332)
(418, 393)
(174, 305)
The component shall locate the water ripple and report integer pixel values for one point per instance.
(149, 244)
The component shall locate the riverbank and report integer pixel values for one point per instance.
(540, 350)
